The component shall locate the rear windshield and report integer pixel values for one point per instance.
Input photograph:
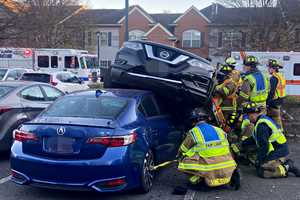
(68, 78)
(87, 107)
(4, 90)
(44, 78)
(2, 73)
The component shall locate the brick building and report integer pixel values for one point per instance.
(188, 30)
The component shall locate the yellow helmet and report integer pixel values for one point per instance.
(230, 61)
(251, 107)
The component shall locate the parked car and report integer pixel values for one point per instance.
(65, 81)
(11, 74)
(105, 141)
(21, 102)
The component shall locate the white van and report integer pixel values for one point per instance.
(290, 61)
(50, 60)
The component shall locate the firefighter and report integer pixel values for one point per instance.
(277, 92)
(272, 147)
(227, 88)
(255, 86)
(205, 154)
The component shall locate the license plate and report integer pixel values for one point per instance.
(60, 145)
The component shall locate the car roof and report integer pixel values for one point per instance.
(48, 73)
(125, 93)
(19, 83)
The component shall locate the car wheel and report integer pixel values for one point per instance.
(147, 173)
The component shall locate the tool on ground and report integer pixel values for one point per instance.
(165, 164)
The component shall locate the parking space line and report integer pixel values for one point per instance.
(4, 180)
(189, 195)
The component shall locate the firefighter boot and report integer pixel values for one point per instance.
(235, 181)
(290, 166)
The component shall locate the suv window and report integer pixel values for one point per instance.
(68, 78)
(33, 94)
(150, 107)
(43, 61)
(37, 77)
(51, 93)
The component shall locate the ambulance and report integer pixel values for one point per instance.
(50, 60)
(289, 60)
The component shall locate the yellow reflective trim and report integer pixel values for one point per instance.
(226, 91)
(244, 95)
(183, 148)
(219, 181)
(195, 179)
(208, 167)
(282, 170)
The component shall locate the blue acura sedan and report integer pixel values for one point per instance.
(105, 141)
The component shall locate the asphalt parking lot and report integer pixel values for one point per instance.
(252, 187)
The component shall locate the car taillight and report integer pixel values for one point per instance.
(23, 136)
(114, 141)
(52, 82)
(4, 110)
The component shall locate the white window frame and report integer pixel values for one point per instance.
(191, 36)
(104, 42)
(136, 34)
(231, 38)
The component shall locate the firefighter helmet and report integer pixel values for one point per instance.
(251, 61)
(251, 107)
(230, 61)
(274, 64)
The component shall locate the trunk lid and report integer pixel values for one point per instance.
(67, 138)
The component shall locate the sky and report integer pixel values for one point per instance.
(152, 6)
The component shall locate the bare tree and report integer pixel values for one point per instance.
(265, 25)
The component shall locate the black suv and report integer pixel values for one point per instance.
(171, 73)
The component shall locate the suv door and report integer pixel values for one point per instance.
(159, 129)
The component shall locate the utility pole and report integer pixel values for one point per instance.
(126, 20)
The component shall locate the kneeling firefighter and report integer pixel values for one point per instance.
(272, 147)
(205, 154)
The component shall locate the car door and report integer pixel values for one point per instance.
(158, 128)
(33, 100)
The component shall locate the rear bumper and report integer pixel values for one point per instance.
(75, 175)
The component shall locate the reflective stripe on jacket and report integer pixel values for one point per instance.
(277, 134)
(281, 86)
(209, 153)
(260, 86)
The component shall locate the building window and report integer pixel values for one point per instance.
(191, 39)
(297, 69)
(89, 38)
(105, 63)
(232, 40)
(220, 39)
(105, 39)
(136, 35)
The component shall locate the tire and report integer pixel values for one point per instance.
(147, 175)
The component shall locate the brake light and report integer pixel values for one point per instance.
(4, 109)
(114, 141)
(23, 136)
(52, 82)
(115, 183)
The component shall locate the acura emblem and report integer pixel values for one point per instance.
(61, 131)
(164, 54)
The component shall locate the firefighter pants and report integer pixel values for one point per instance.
(273, 169)
(275, 114)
